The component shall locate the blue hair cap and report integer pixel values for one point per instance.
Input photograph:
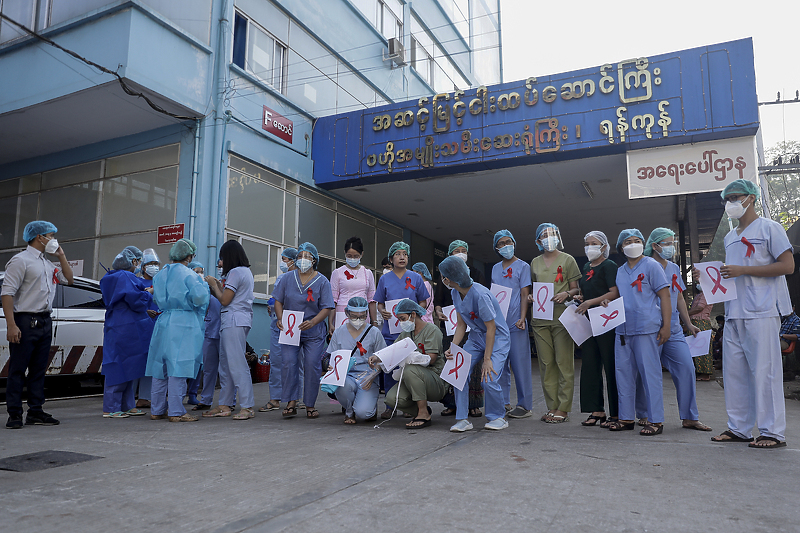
(422, 269)
(37, 227)
(626, 233)
(456, 270)
(310, 248)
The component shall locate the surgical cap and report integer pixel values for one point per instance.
(656, 236)
(289, 253)
(406, 306)
(628, 233)
(600, 236)
(150, 256)
(399, 245)
(182, 249)
(456, 270)
(499, 235)
(123, 260)
(310, 248)
(543, 226)
(137, 253)
(457, 244)
(357, 304)
(740, 187)
(196, 264)
(422, 270)
(37, 227)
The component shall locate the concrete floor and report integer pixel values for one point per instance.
(270, 474)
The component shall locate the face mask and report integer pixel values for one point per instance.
(633, 250)
(732, 209)
(152, 270)
(304, 265)
(593, 252)
(219, 272)
(137, 272)
(199, 274)
(550, 243)
(353, 263)
(667, 252)
(507, 252)
(461, 256)
(387, 270)
(407, 326)
(51, 246)
(284, 267)
(358, 323)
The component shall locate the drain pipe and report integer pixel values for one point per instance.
(195, 164)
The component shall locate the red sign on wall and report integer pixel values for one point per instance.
(170, 234)
(277, 124)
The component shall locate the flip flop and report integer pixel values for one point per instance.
(425, 423)
(201, 407)
(778, 443)
(732, 437)
(118, 414)
(699, 426)
(290, 412)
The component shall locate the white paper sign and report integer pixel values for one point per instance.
(452, 320)
(77, 267)
(542, 301)
(340, 319)
(394, 354)
(607, 318)
(340, 361)
(456, 370)
(578, 326)
(290, 334)
(394, 323)
(503, 295)
(699, 346)
(716, 288)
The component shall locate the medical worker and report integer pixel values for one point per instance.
(395, 285)
(193, 385)
(125, 336)
(362, 340)
(176, 347)
(287, 264)
(422, 270)
(757, 256)
(675, 354)
(598, 283)
(235, 295)
(488, 342)
(643, 286)
(304, 290)
(515, 273)
(149, 268)
(210, 353)
(554, 347)
(350, 280)
(137, 254)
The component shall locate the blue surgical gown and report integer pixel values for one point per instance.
(176, 349)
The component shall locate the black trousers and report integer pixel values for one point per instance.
(32, 353)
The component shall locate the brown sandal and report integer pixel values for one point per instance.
(311, 412)
(349, 420)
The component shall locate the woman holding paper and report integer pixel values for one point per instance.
(554, 346)
(308, 292)
(598, 283)
(488, 342)
(420, 382)
(515, 274)
(362, 340)
(645, 292)
(675, 354)
(350, 280)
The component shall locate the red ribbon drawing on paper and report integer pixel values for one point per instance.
(409, 285)
(612, 316)
(501, 296)
(638, 282)
(348, 275)
(559, 275)
(541, 302)
(458, 364)
(717, 281)
(361, 349)
(291, 321)
(750, 247)
(336, 362)
(675, 284)
(473, 315)
(310, 297)
(454, 322)
(589, 274)
(508, 273)
(397, 322)
(55, 277)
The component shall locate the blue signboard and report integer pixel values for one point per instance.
(683, 97)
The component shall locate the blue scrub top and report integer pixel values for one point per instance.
(152, 307)
(212, 320)
(343, 340)
(295, 296)
(642, 309)
(520, 278)
(240, 311)
(273, 315)
(676, 287)
(390, 287)
(479, 306)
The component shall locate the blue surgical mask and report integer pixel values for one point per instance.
(219, 272)
(284, 267)
(304, 265)
(507, 251)
(152, 270)
(353, 263)
(667, 252)
(138, 271)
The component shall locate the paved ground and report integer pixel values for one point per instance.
(270, 474)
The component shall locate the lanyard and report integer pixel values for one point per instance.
(297, 280)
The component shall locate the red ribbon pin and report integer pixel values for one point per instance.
(542, 301)
(675, 284)
(589, 274)
(638, 282)
(348, 275)
(421, 348)
(310, 297)
(290, 323)
(508, 273)
(458, 365)
(717, 281)
(409, 285)
(612, 316)
(559, 275)
(361, 349)
(55, 277)
(750, 247)
(473, 315)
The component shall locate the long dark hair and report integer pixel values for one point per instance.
(233, 255)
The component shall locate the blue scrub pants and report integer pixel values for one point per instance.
(234, 373)
(143, 386)
(639, 359)
(193, 385)
(677, 359)
(118, 397)
(519, 361)
(275, 363)
(170, 390)
(309, 364)
(354, 399)
(493, 392)
(210, 370)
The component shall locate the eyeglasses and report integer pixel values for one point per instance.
(733, 198)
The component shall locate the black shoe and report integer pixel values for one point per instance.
(14, 422)
(40, 419)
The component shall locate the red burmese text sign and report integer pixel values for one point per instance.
(277, 124)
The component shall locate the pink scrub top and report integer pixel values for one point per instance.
(347, 283)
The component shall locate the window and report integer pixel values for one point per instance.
(259, 52)
(390, 19)
(421, 60)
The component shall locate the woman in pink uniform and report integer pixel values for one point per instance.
(352, 280)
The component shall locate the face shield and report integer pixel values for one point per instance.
(549, 239)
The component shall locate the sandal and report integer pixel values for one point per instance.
(118, 414)
(311, 412)
(271, 406)
(290, 412)
(186, 417)
(475, 413)
(731, 437)
(387, 414)
(134, 412)
(448, 412)
(616, 425)
(218, 411)
(593, 420)
(652, 429)
(608, 422)
(699, 426)
(557, 419)
(245, 413)
(201, 407)
(643, 422)
(415, 424)
(545, 417)
(142, 403)
(349, 420)
(775, 443)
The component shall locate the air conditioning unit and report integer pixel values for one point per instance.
(396, 52)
